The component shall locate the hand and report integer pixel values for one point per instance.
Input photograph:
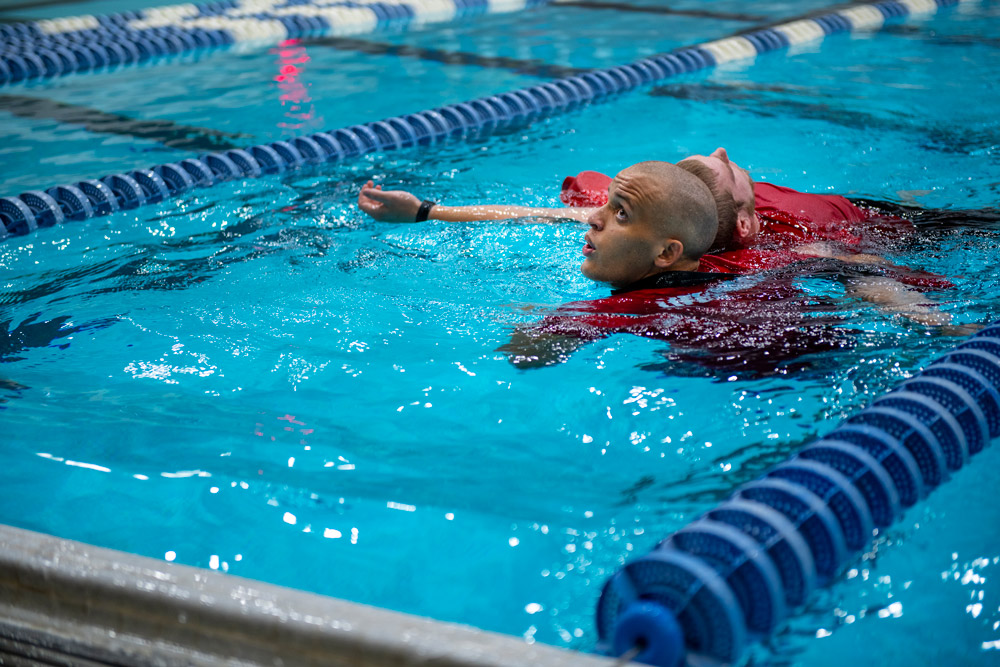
(388, 205)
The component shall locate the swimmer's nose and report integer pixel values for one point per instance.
(720, 153)
(594, 219)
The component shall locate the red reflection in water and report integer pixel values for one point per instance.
(301, 113)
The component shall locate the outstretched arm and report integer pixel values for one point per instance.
(892, 296)
(821, 249)
(889, 294)
(402, 206)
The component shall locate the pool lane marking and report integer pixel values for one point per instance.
(165, 132)
(694, 13)
(915, 32)
(530, 67)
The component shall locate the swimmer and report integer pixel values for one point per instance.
(650, 234)
(733, 192)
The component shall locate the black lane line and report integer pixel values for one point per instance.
(529, 67)
(39, 3)
(757, 99)
(935, 38)
(695, 13)
(166, 132)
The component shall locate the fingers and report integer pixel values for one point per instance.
(365, 202)
(382, 196)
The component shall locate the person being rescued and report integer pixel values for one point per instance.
(648, 242)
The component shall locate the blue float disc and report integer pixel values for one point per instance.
(778, 538)
(102, 199)
(845, 501)
(310, 151)
(810, 516)
(349, 141)
(913, 435)
(544, 98)
(978, 360)
(704, 605)
(989, 344)
(153, 187)
(246, 163)
(74, 204)
(222, 166)
(515, 107)
(199, 171)
(978, 386)
(407, 132)
(388, 137)
(487, 118)
(45, 209)
(746, 567)
(891, 454)
(176, 177)
(290, 154)
(459, 125)
(441, 128)
(369, 139)
(332, 150)
(16, 217)
(959, 403)
(934, 416)
(268, 159)
(655, 628)
(127, 191)
(867, 475)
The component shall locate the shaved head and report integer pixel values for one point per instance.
(682, 204)
(658, 218)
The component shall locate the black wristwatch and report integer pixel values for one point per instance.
(424, 210)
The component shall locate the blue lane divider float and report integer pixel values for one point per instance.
(54, 47)
(465, 120)
(731, 575)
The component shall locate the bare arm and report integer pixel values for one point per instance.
(821, 249)
(890, 295)
(894, 297)
(402, 206)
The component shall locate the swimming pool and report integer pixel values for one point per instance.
(337, 416)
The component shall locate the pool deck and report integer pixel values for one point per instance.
(69, 603)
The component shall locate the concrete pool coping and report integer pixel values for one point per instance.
(69, 603)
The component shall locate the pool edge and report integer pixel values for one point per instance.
(89, 605)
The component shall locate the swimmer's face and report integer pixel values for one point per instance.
(730, 177)
(624, 240)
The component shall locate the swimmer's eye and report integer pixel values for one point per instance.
(620, 214)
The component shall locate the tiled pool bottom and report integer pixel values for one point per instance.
(68, 603)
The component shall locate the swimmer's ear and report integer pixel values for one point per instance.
(672, 251)
(746, 229)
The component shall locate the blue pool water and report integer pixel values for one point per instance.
(256, 378)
